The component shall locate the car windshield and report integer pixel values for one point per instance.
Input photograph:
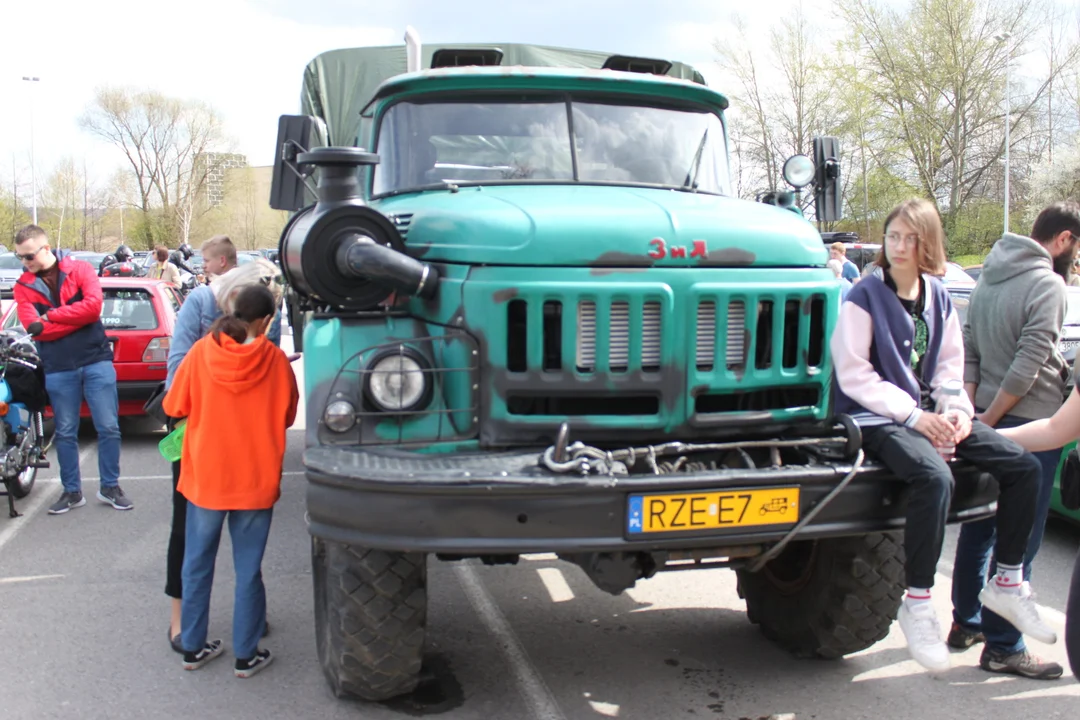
(127, 309)
(432, 144)
(10, 262)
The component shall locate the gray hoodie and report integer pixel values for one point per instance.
(1013, 328)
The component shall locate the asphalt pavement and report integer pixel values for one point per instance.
(83, 607)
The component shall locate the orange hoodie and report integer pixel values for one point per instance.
(239, 400)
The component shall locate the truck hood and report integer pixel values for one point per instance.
(599, 226)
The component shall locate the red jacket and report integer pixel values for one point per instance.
(73, 336)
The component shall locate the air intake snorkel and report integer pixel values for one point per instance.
(342, 252)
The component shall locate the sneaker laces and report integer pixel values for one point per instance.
(1028, 608)
(925, 627)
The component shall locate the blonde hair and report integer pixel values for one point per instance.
(259, 271)
(839, 247)
(221, 246)
(921, 215)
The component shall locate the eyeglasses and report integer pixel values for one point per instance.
(27, 257)
(895, 239)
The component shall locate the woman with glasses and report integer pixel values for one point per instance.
(897, 350)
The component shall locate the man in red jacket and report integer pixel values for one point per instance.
(65, 297)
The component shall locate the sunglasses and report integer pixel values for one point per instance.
(27, 257)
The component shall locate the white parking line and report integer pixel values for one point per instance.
(535, 691)
(13, 526)
(556, 584)
(28, 578)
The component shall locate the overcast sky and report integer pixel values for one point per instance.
(246, 57)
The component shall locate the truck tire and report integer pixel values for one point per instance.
(370, 616)
(828, 598)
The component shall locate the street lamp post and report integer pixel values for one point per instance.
(33, 171)
(1004, 38)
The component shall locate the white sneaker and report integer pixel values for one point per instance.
(923, 633)
(1019, 609)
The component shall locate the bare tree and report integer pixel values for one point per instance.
(165, 141)
(781, 115)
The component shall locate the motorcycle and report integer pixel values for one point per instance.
(23, 450)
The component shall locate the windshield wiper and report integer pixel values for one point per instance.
(692, 173)
(121, 327)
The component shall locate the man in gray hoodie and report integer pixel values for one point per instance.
(1014, 373)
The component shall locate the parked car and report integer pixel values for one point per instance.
(139, 316)
(11, 268)
(954, 274)
(974, 271)
(94, 258)
(858, 252)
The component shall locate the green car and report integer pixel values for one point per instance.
(1055, 497)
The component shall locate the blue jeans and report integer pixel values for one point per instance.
(974, 562)
(248, 530)
(97, 384)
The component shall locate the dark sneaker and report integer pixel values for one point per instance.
(114, 496)
(1024, 663)
(960, 638)
(67, 501)
(194, 661)
(247, 668)
(174, 642)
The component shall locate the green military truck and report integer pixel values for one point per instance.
(535, 318)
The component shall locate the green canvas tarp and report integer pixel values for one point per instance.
(339, 83)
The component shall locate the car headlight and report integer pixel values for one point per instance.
(398, 381)
(340, 416)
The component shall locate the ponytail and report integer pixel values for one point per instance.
(232, 326)
(251, 303)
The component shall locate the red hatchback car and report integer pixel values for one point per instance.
(138, 315)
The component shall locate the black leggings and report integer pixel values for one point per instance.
(911, 457)
(175, 562)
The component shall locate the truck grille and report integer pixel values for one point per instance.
(778, 332)
(401, 222)
(619, 337)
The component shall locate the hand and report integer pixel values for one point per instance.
(963, 428)
(985, 419)
(936, 428)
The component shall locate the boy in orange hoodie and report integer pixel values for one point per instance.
(239, 395)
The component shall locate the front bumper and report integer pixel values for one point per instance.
(504, 503)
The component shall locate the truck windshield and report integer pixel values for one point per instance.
(432, 144)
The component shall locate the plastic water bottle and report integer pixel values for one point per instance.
(948, 406)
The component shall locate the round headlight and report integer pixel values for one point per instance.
(398, 382)
(340, 416)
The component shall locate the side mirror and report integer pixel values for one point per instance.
(828, 198)
(799, 171)
(296, 134)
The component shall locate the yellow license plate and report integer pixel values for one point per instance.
(711, 510)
